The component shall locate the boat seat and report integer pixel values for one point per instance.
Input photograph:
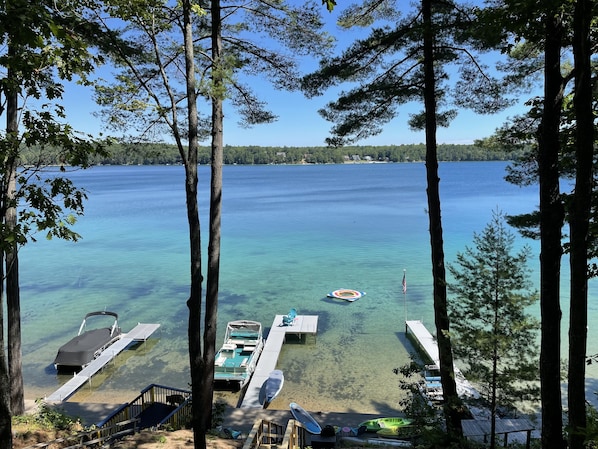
(432, 378)
(220, 360)
(244, 362)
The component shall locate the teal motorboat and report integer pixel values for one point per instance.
(236, 360)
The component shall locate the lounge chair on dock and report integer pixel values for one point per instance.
(287, 320)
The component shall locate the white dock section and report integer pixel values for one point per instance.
(428, 344)
(302, 325)
(141, 332)
(425, 339)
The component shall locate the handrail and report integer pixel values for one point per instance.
(268, 433)
(295, 436)
(149, 395)
(264, 432)
(120, 423)
(179, 417)
(93, 437)
(125, 419)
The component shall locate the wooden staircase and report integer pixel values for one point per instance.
(268, 435)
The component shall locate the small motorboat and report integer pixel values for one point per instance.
(271, 387)
(81, 350)
(310, 424)
(347, 294)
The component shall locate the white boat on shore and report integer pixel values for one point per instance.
(236, 360)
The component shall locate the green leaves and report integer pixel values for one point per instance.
(330, 4)
(492, 330)
(384, 71)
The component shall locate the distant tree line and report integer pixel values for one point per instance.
(163, 154)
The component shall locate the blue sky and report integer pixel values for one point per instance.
(299, 123)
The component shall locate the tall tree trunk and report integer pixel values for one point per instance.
(200, 404)
(551, 223)
(495, 358)
(447, 375)
(213, 273)
(5, 413)
(13, 306)
(579, 222)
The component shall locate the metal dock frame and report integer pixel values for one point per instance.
(141, 332)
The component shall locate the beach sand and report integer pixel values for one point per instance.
(238, 419)
(242, 420)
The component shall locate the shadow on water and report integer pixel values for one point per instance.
(411, 348)
(51, 370)
(231, 300)
(340, 302)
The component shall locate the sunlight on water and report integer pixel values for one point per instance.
(291, 234)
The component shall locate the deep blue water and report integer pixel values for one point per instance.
(290, 234)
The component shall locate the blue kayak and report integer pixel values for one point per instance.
(310, 424)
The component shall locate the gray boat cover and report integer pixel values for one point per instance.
(81, 350)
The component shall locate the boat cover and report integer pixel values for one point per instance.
(82, 349)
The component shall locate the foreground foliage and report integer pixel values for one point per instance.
(46, 424)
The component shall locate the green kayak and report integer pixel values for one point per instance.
(376, 424)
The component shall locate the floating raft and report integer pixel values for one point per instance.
(347, 294)
(141, 332)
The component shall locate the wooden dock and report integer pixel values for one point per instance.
(427, 343)
(141, 332)
(302, 325)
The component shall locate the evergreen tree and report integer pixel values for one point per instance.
(492, 331)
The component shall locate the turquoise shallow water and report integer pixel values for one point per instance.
(290, 235)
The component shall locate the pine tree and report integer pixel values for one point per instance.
(493, 332)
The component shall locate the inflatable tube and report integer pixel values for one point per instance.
(347, 294)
